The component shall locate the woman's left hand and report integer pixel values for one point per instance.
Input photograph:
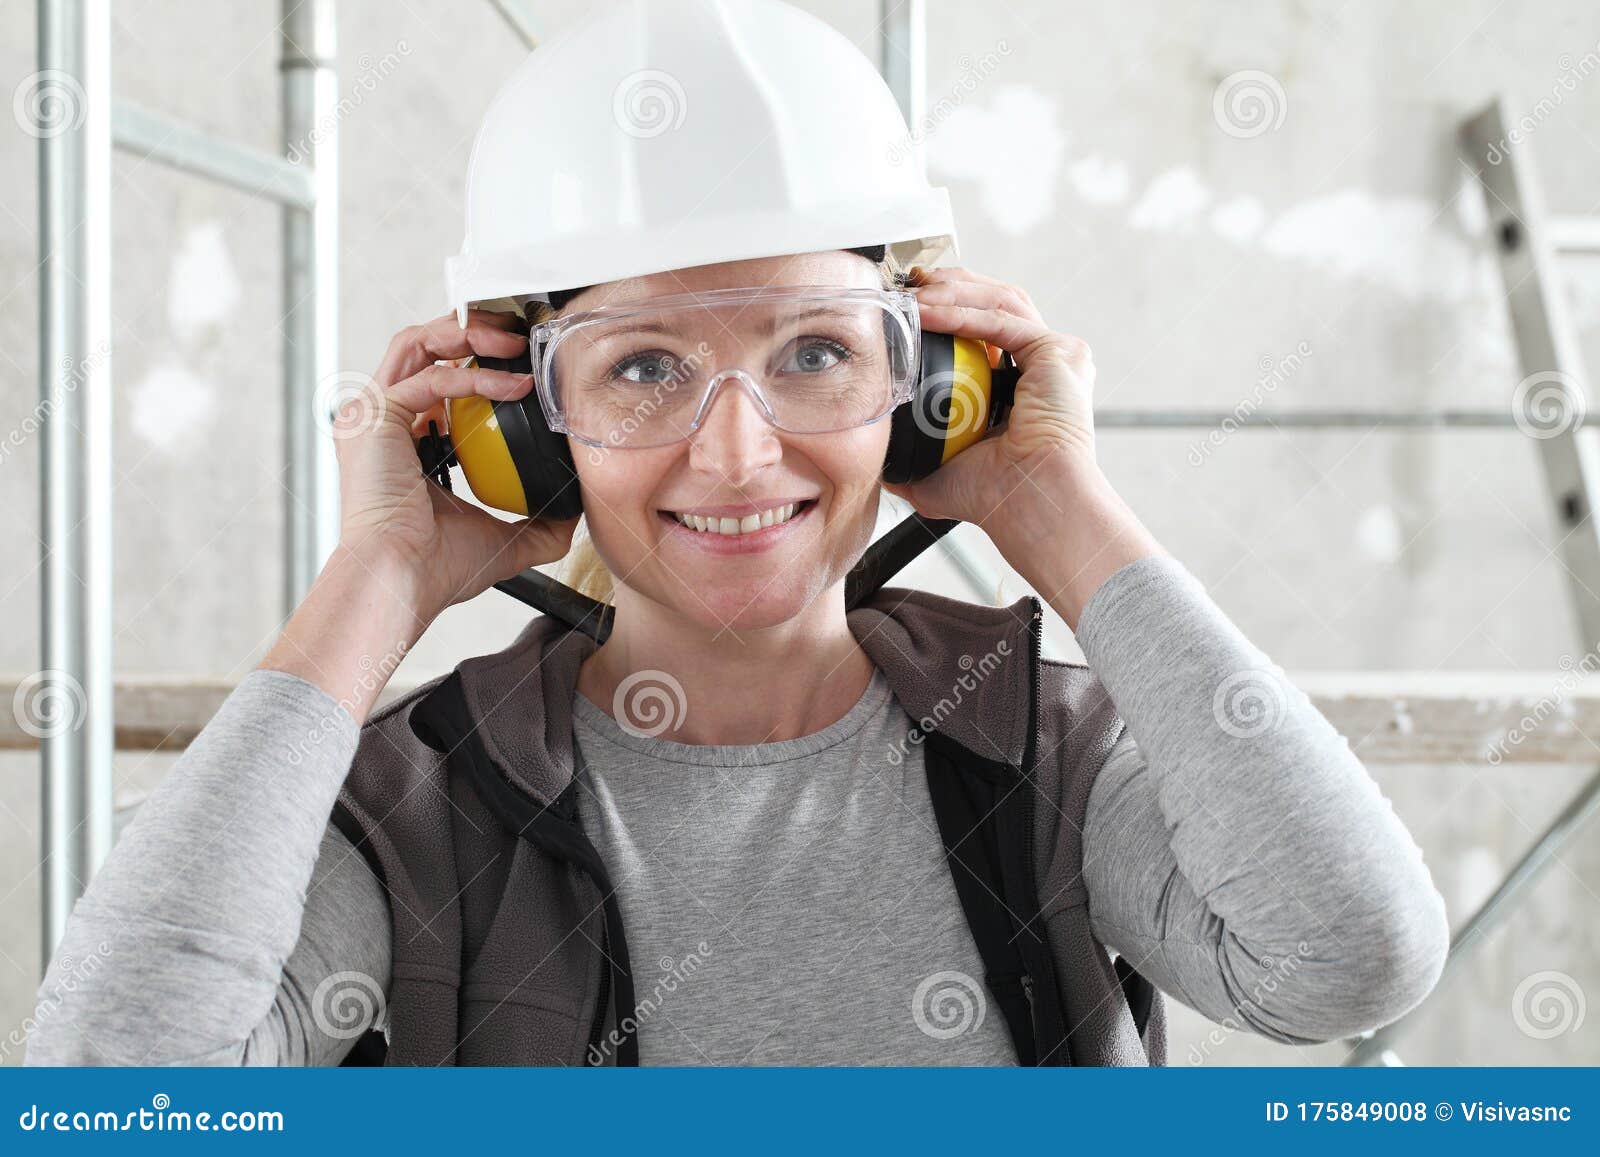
(1052, 414)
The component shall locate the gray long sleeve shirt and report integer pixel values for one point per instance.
(230, 908)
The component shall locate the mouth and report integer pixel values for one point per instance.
(751, 531)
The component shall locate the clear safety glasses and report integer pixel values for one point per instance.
(814, 359)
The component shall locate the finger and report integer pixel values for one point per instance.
(500, 533)
(996, 295)
(420, 345)
(959, 273)
(498, 318)
(434, 383)
(1021, 336)
(539, 540)
(900, 490)
(509, 548)
(433, 414)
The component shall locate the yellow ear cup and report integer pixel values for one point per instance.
(970, 384)
(485, 457)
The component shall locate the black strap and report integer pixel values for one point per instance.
(437, 455)
(1139, 993)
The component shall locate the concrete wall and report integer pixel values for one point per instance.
(1088, 162)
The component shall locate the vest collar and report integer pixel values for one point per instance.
(958, 668)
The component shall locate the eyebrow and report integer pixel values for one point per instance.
(763, 327)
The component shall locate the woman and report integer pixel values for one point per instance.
(888, 835)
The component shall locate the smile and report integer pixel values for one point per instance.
(749, 524)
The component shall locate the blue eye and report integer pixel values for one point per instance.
(657, 366)
(816, 354)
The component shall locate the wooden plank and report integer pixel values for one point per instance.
(1475, 718)
(1480, 718)
(152, 714)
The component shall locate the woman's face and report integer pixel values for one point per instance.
(735, 464)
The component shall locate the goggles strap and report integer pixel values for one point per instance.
(559, 297)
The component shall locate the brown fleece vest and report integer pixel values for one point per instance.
(497, 940)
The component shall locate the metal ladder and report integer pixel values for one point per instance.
(1547, 351)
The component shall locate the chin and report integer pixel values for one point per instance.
(737, 607)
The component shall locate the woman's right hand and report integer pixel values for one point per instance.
(450, 549)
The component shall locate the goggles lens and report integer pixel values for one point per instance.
(646, 374)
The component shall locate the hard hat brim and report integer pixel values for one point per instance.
(918, 231)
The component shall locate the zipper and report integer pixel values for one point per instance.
(1029, 753)
(1035, 628)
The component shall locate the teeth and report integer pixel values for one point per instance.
(736, 526)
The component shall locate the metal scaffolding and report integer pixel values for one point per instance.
(75, 467)
(75, 382)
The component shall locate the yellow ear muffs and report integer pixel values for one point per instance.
(485, 458)
(963, 390)
(514, 462)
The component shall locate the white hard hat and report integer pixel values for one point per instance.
(662, 134)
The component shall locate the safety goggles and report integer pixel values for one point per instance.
(814, 359)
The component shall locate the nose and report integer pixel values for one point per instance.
(735, 439)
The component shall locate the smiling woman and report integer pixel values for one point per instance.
(723, 442)
(583, 569)
(754, 825)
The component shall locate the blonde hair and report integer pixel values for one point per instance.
(582, 569)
